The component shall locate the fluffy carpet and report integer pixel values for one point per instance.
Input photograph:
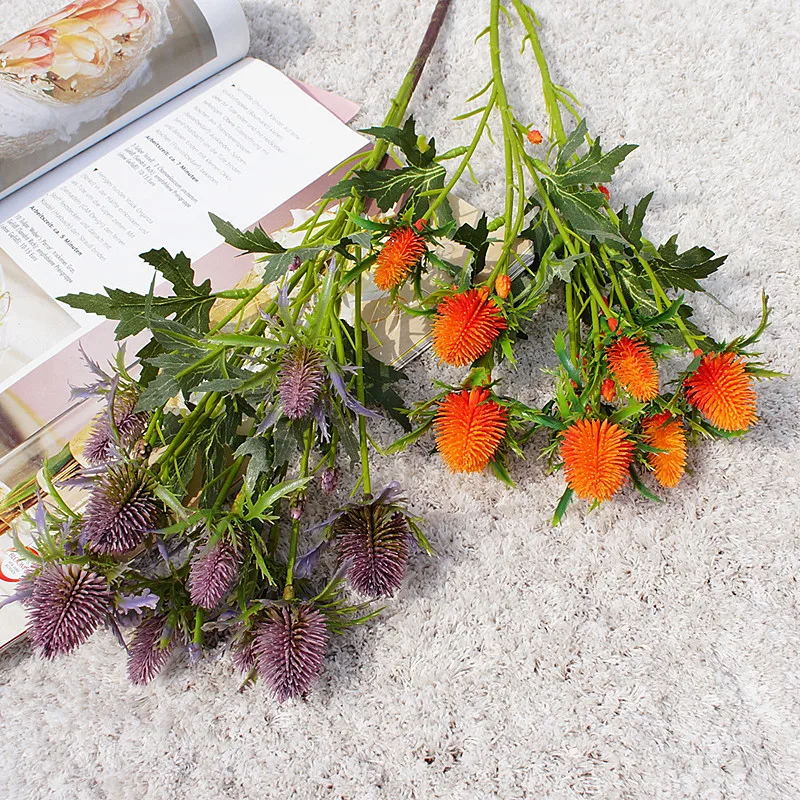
(642, 651)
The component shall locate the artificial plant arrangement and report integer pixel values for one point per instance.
(199, 475)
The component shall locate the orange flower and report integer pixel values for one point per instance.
(603, 191)
(666, 433)
(608, 390)
(596, 458)
(535, 137)
(632, 364)
(398, 257)
(466, 326)
(722, 390)
(469, 429)
(613, 324)
(502, 286)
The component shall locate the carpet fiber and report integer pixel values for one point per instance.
(644, 651)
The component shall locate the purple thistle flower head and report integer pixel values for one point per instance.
(66, 606)
(121, 511)
(373, 539)
(290, 648)
(329, 480)
(299, 380)
(149, 649)
(213, 573)
(102, 446)
(244, 655)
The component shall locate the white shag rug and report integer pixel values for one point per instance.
(645, 651)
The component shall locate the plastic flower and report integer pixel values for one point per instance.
(469, 429)
(121, 511)
(666, 433)
(398, 256)
(632, 364)
(299, 380)
(535, 137)
(722, 389)
(374, 540)
(212, 574)
(502, 286)
(608, 390)
(466, 326)
(290, 647)
(596, 458)
(102, 446)
(149, 649)
(66, 606)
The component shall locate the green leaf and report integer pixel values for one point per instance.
(561, 508)
(684, 270)
(387, 186)
(267, 500)
(284, 443)
(632, 230)
(258, 449)
(407, 140)
(560, 346)
(158, 392)
(255, 241)
(476, 240)
(581, 213)
(570, 147)
(409, 438)
(641, 488)
(595, 166)
(278, 265)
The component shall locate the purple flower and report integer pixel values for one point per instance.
(121, 511)
(244, 654)
(373, 539)
(66, 605)
(290, 648)
(329, 480)
(299, 380)
(149, 649)
(213, 573)
(102, 446)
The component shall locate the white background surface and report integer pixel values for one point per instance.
(644, 652)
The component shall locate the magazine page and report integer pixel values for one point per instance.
(240, 145)
(93, 66)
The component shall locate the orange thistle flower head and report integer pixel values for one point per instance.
(502, 286)
(634, 367)
(608, 390)
(535, 137)
(722, 389)
(469, 429)
(398, 256)
(667, 434)
(466, 326)
(596, 458)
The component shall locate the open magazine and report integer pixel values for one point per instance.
(122, 124)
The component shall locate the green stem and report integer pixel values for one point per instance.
(288, 591)
(362, 422)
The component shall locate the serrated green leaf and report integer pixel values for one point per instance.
(585, 219)
(278, 265)
(158, 391)
(570, 147)
(255, 241)
(595, 166)
(407, 140)
(258, 449)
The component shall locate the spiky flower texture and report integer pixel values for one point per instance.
(374, 540)
(596, 458)
(121, 511)
(666, 433)
(148, 652)
(212, 574)
(722, 389)
(632, 364)
(66, 606)
(289, 648)
(469, 429)
(130, 425)
(299, 380)
(466, 326)
(398, 256)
